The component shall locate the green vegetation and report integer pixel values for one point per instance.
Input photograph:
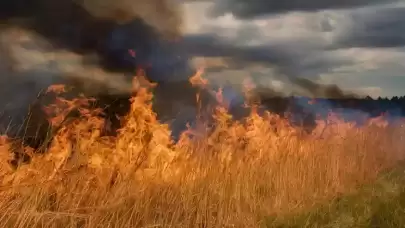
(377, 205)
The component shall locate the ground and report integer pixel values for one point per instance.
(379, 204)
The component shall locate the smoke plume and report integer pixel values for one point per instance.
(97, 45)
(94, 45)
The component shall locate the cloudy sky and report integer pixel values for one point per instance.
(358, 45)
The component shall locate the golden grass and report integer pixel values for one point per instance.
(232, 176)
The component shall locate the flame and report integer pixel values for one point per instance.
(197, 79)
(142, 155)
(56, 89)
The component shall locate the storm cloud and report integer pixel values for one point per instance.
(286, 60)
(332, 42)
(381, 27)
(256, 8)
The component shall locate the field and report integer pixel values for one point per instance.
(259, 172)
(380, 204)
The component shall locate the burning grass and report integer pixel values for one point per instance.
(233, 175)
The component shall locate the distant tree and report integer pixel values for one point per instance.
(395, 99)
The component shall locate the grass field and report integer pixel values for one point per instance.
(252, 174)
(380, 204)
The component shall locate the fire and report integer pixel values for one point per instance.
(379, 121)
(142, 165)
(197, 79)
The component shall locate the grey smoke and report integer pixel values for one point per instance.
(295, 66)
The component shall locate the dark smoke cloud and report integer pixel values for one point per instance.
(382, 28)
(256, 8)
(110, 31)
(117, 37)
(165, 16)
(105, 28)
(322, 46)
(100, 33)
(280, 57)
(297, 67)
(44, 42)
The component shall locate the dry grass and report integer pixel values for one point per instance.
(231, 176)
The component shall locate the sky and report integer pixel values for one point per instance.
(358, 45)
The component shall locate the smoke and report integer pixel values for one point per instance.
(94, 45)
(287, 65)
(163, 15)
(325, 91)
(101, 32)
(97, 45)
(90, 26)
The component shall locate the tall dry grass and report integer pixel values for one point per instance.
(231, 176)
